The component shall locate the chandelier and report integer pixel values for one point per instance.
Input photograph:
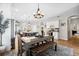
(38, 13)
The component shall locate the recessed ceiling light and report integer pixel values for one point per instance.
(16, 10)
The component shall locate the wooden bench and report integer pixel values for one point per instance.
(43, 47)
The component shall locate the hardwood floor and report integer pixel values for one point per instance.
(73, 42)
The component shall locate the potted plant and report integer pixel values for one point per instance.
(3, 26)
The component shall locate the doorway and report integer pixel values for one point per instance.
(73, 26)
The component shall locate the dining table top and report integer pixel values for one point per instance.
(32, 40)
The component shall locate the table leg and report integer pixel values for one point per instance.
(56, 47)
(28, 53)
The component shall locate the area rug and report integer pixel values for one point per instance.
(61, 51)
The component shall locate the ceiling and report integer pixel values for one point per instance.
(24, 11)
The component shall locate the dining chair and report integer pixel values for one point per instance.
(19, 47)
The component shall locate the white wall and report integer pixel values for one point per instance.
(63, 33)
(55, 23)
(34, 28)
(6, 38)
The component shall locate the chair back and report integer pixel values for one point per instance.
(18, 44)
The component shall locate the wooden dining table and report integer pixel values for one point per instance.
(29, 41)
